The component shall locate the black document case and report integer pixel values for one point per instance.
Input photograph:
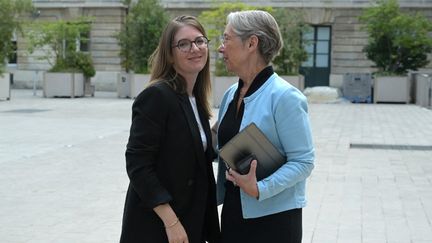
(249, 144)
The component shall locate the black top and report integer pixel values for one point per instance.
(280, 227)
(230, 124)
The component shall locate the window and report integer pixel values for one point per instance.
(13, 57)
(318, 47)
(84, 42)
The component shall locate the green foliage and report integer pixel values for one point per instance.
(59, 41)
(214, 21)
(293, 53)
(398, 41)
(80, 62)
(10, 22)
(140, 36)
(220, 68)
(84, 63)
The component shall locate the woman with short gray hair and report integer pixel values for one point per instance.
(268, 210)
(262, 25)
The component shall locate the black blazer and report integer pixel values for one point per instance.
(166, 163)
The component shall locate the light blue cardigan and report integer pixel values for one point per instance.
(280, 111)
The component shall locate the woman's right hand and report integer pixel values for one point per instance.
(176, 234)
(173, 227)
(246, 182)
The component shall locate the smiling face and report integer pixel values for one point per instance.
(189, 63)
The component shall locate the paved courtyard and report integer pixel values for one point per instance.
(63, 178)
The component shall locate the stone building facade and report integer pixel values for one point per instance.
(336, 18)
(107, 19)
(337, 33)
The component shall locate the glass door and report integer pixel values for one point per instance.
(318, 46)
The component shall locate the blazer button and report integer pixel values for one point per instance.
(190, 182)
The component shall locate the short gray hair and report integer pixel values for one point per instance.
(261, 24)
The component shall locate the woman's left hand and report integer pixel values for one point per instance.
(248, 182)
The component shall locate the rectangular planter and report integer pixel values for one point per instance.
(5, 86)
(424, 90)
(295, 80)
(138, 83)
(123, 85)
(63, 85)
(130, 85)
(392, 89)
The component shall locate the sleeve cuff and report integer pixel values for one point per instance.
(262, 190)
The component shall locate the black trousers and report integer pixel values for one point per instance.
(283, 227)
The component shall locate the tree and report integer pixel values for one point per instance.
(398, 41)
(10, 23)
(140, 36)
(62, 38)
(293, 53)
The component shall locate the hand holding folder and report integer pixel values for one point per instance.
(249, 144)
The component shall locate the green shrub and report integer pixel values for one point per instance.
(141, 33)
(398, 41)
(293, 53)
(84, 63)
(62, 37)
(10, 22)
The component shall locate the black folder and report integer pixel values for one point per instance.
(251, 143)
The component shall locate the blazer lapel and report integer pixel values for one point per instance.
(194, 129)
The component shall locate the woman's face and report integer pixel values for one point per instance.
(233, 51)
(189, 61)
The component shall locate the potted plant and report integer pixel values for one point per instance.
(293, 53)
(138, 39)
(9, 24)
(214, 21)
(398, 42)
(59, 43)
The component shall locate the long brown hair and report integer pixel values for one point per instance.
(162, 64)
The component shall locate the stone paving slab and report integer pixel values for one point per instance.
(370, 195)
(63, 178)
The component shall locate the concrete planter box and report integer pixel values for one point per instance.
(63, 85)
(423, 91)
(123, 85)
(138, 83)
(219, 86)
(391, 89)
(295, 80)
(5, 86)
(130, 85)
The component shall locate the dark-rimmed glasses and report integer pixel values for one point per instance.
(185, 45)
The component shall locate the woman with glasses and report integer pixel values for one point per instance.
(172, 193)
(269, 210)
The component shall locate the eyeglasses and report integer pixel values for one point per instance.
(185, 45)
(223, 39)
